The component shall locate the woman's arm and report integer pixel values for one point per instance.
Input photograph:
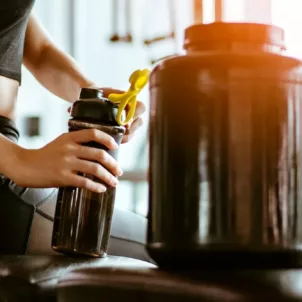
(54, 69)
(59, 73)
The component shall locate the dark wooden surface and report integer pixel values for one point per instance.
(34, 278)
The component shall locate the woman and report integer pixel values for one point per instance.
(22, 40)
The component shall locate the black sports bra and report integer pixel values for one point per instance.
(14, 15)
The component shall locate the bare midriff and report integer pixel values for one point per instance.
(8, 97)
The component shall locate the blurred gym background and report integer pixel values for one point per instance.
(110, 39)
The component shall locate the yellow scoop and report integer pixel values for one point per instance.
(138, 81)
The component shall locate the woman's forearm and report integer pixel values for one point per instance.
(60, 74)
(54, 69)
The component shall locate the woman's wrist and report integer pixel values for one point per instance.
(16, 164)
(20, 168)
(10, 158)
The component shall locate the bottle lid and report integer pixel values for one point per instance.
(93, 107)
(201, 36)
(138, 80)
(91, 93)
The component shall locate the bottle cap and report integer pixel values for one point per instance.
(138, 80)
(93, 107)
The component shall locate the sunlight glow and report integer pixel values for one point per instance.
(287, 14)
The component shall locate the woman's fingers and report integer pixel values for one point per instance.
(97, 170)
(106, 91)
(98, 136)
(102, 157)
(128, 138)
(87, 135)
(86, 183)
(140, 109)
(135, 125)
(89, 160)
(130, 132)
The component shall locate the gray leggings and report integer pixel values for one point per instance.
(26, 218)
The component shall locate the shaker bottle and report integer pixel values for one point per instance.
(225, 160)
(83, 218)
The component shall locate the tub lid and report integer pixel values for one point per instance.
(225, 32)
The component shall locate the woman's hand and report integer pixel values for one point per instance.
(58, 163)
(137, 122)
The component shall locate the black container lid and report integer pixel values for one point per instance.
(91, 93)
(224, 32)
(92, 106)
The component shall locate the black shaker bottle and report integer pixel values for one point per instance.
(225, 161)
(83, 218)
